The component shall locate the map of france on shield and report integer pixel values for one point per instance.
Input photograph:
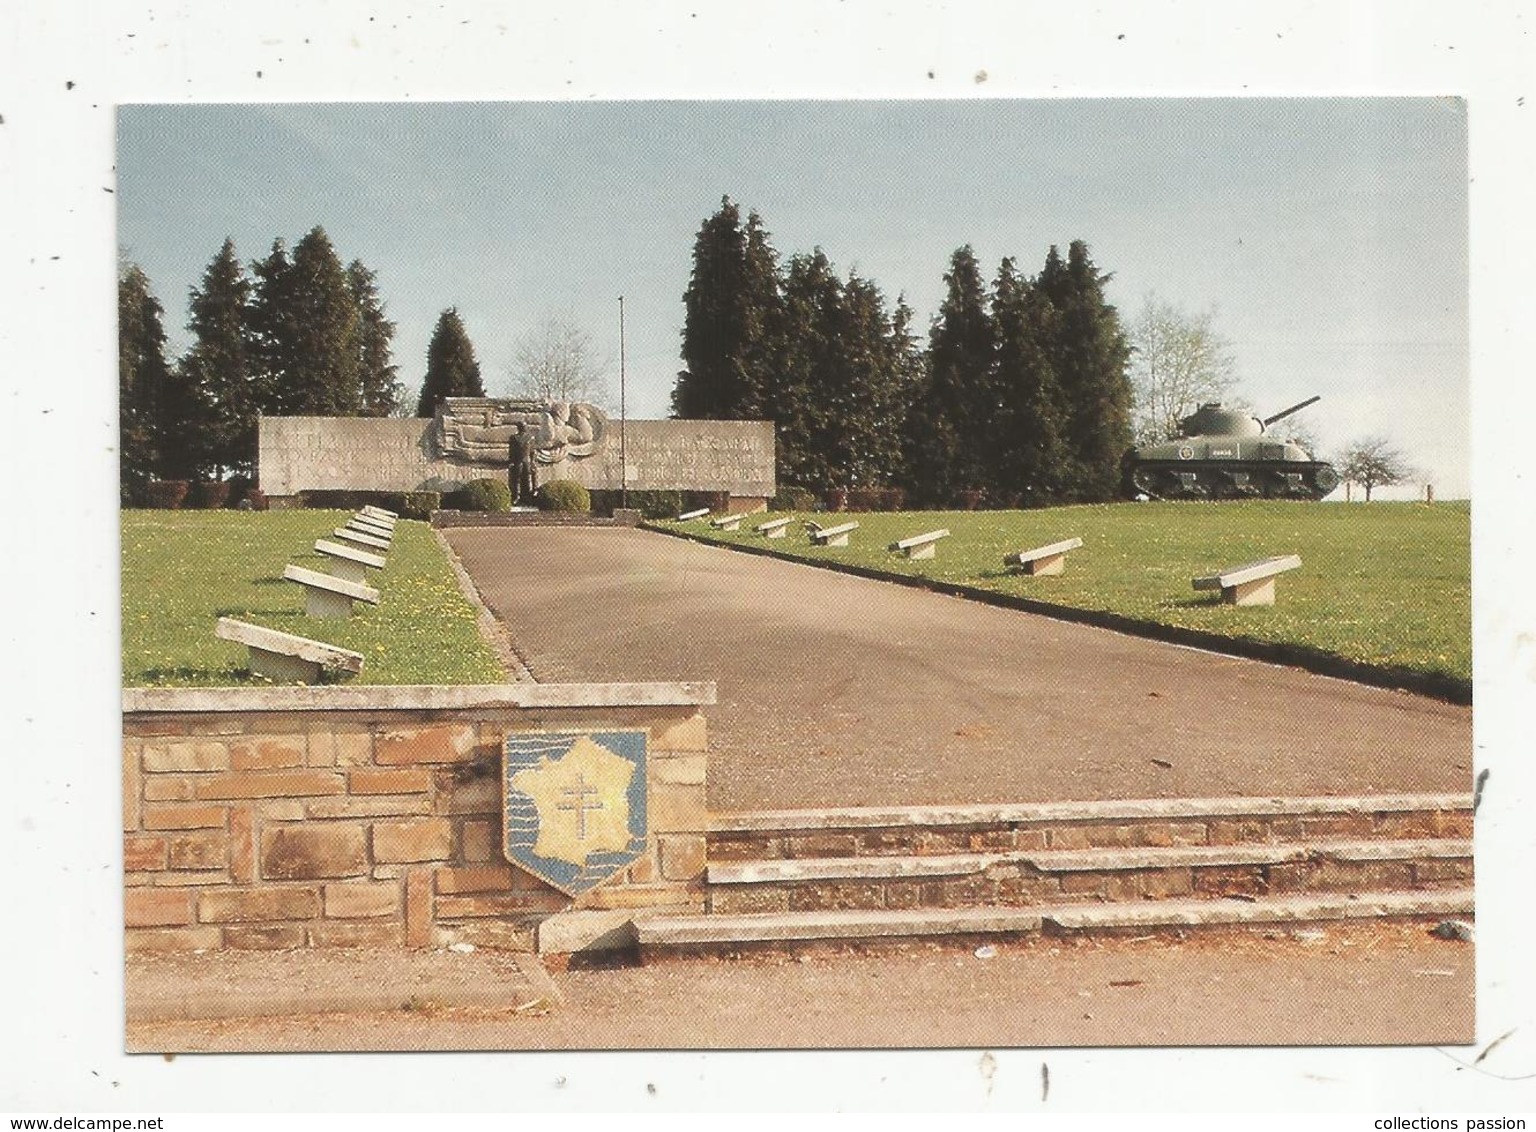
(574, 805)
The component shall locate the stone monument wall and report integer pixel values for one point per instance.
(297, 454)
(349, 817)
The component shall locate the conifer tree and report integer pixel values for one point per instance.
(142, 375)
(452, 370)
(1028, 456)
(306, 328)
(270, 316)
(731, 306)
(218, 365)
(1091, 357)
(957, 404)
(380, 391)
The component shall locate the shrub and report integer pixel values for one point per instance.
(717, 501)
(876, 498)
(212, 495)
(837, 499)
(413, 504)
(564, 495)
(485, 495)
(651, 503)
(793, 499)
(167, 495)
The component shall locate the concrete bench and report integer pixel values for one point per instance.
(352, 534)
(380, 513)
(284, 658)
(689, 516)
(371, 526)
(326, 595)
(920, 546)
(1252, 584)
(348, 562)
(833, 536)
(774, 528)
(1050, 559)
(727, 522)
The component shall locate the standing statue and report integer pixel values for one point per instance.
(522, 473)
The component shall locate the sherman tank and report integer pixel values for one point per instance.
(1223, 453)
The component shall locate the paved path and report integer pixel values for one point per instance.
(836, 690)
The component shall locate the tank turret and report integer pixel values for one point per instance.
(1223, 453)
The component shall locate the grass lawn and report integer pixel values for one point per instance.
(183, 570)
(1383, 584)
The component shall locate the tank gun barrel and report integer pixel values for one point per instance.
(1283, 413)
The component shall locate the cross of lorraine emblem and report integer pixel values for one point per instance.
(574, 809)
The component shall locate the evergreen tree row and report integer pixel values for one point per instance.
(299, 335)
(1021, 397)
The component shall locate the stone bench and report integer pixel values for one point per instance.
(727, 522)
(326, 595)
(352, 534)
(833, 536)
(775, 528)
(284, 658)
(372, 526)
(689, 516)
(1050, 559)
(348, 562)
(379, 513)
(920, 546)
(1252, 584)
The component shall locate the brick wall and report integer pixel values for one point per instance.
(374, 823)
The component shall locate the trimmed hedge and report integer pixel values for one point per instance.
(484, 495)
(166, 495)
(406, 504)
(564, 495)
(652, 504)
(793, 499)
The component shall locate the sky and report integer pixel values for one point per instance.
(1328, 236)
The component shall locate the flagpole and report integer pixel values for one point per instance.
(623, 417)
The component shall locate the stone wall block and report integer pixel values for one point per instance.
(682, 858)
(678, 809)
(687, 733)
(480, 795)
(633, 896)
(303, 852)
(418, 908)
(680, 770)
(430, 839)
(367, 933)
(202, 849)
(441, 743)
(496, 904)
(486, 878)
(194, 756)
(268, 752)
(1442, 868)
(362, 900)
(167, 788)
(141, 940)
(270, 784)
(132, 803)
(369, 806)
(157, 907)
(478, 842)
(256, 905)
(185, 817)
(142, 854)
(242, 845)
(264, 937)
(392, 780)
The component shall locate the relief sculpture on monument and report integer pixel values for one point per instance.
(478, 429)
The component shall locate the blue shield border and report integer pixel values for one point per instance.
(520, 817)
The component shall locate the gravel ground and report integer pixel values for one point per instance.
(1359, 985)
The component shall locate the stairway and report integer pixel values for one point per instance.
(782, 878)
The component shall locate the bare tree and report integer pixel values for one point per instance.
(1373, 462)
(555, 361)
(1178, 362)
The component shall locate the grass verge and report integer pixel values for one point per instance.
(183, 570)
(1384, 588)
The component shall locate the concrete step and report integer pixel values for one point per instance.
(660, 935)
(1155, 822)
(1024, 878)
